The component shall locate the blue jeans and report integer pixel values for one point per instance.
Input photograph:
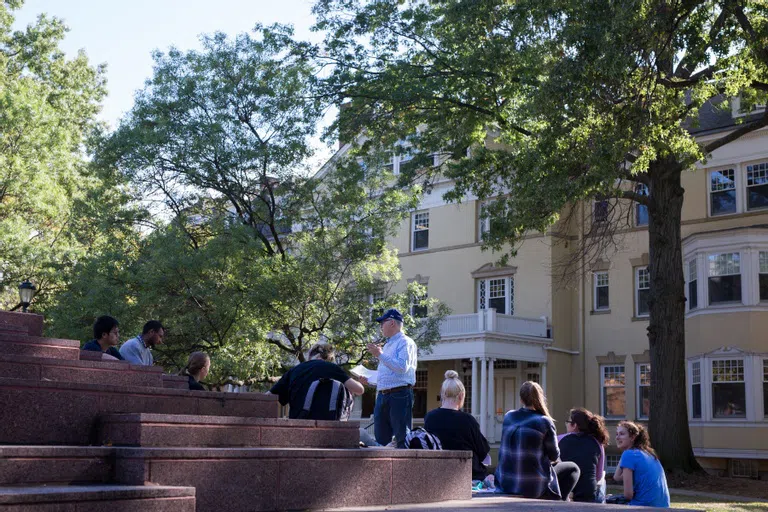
(392, 415)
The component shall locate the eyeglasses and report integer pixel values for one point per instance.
(568, 421)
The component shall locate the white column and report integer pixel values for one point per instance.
(483, 398)
(544, 377)
(491, 403)
(475, 389)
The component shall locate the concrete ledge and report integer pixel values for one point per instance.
(170, 430)
(65, 413)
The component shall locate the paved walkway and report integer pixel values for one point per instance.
(504, 504)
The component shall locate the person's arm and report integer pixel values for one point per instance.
(130, 353)
(599, 474)
(629, 491)
(619, 474)
(482, 448)
(550, 442)
(354, 387)
(281, 389)
(398, 361)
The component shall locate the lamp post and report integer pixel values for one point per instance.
(26, 292)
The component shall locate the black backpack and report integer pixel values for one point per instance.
(420, 439)
(339, 406)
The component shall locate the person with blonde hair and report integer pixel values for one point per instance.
(645, 482)
(529, 462)
(456, 429)
(198, 366)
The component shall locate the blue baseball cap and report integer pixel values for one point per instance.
(390, 313)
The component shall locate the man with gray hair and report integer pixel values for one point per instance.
(393, 411)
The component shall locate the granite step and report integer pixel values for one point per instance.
(31, 323)
(67, 413)
(37, 346)
(170, 430)
(55, 465)
(95, 371)
(248, 479)
(101, 498)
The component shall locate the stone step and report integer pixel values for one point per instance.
(67, 413)
(85, 371)
(55, 465)
(19, 330)
(169, 430)
(36, 346)
(30, 322)
(247, 479)
(114, 498)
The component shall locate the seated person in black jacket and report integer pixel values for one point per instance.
(198, 366)
(292, 387)
(456, 429)
(106, 337)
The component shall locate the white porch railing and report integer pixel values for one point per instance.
(487, 320)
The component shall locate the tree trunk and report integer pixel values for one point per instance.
(668, 415)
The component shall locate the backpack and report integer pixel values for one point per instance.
(420, 439)
(340, 404)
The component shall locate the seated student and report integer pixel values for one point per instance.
(292, 387)
(528, 454)
(198, 366)
(583, 444)
(138, 350)
(106, 337)
(456, 429)
(645, 482)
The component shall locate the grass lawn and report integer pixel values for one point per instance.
(710, 505)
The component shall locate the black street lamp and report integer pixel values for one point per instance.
(26, 292)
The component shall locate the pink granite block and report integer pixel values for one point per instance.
(13, 370)
(427, 480)
(122, 377)
(234, 485)
(310, 437)
(32, 349)
(101, 498)
(212, 404)
(326, 483)
(31, 322)
(48, 470)
(175, 382)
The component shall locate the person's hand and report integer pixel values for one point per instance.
(363, 381)
(374, 349)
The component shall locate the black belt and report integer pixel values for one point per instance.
(392, 390)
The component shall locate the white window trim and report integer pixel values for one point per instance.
(602, 391)
(688, 280)
(637, 290)
(594, 291)
(736, 108)
(413, 230)
(689, 392)
(745, 286)
(509, 290)
(413, 300)
(746, 185)
(638, 405)
(738, 184)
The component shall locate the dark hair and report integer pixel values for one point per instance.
(152, 325)
(533, 396)
(104, 324)
(324, 350)
(642, 440)
(589, 423)
(195, 363)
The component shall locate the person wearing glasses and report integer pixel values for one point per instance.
(392, 413)
(584, 444)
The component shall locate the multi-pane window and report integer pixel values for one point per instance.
(728, 389)
(765, 387)
(763, 257)
(420, 394)
(614, 392)
(612, 461)
(724, 278)
(696, 389)
(693, 285)
(377, 308)
(497, 293)
(533, 377)
(420, 230)
(467, 379)
(757, 186)
(641, 211)
(642, 291)
(643, 390)
(505, 364)
(601, 291)
(600, 211)
(722, 192)
(418, 308)
(405, 163)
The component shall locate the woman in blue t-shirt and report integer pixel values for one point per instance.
(639, 468)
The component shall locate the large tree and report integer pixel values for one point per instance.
(48, 107)
(582, 99)
(251, 248)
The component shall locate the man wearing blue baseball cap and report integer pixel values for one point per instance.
(397, 375)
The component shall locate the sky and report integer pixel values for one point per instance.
(123, 34)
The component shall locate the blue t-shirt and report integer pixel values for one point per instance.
(648, 479)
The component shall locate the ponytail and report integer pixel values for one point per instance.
(196, 362)
(642, 440)
(533, 396)
(590, 423)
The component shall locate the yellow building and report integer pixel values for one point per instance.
(585, 341)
